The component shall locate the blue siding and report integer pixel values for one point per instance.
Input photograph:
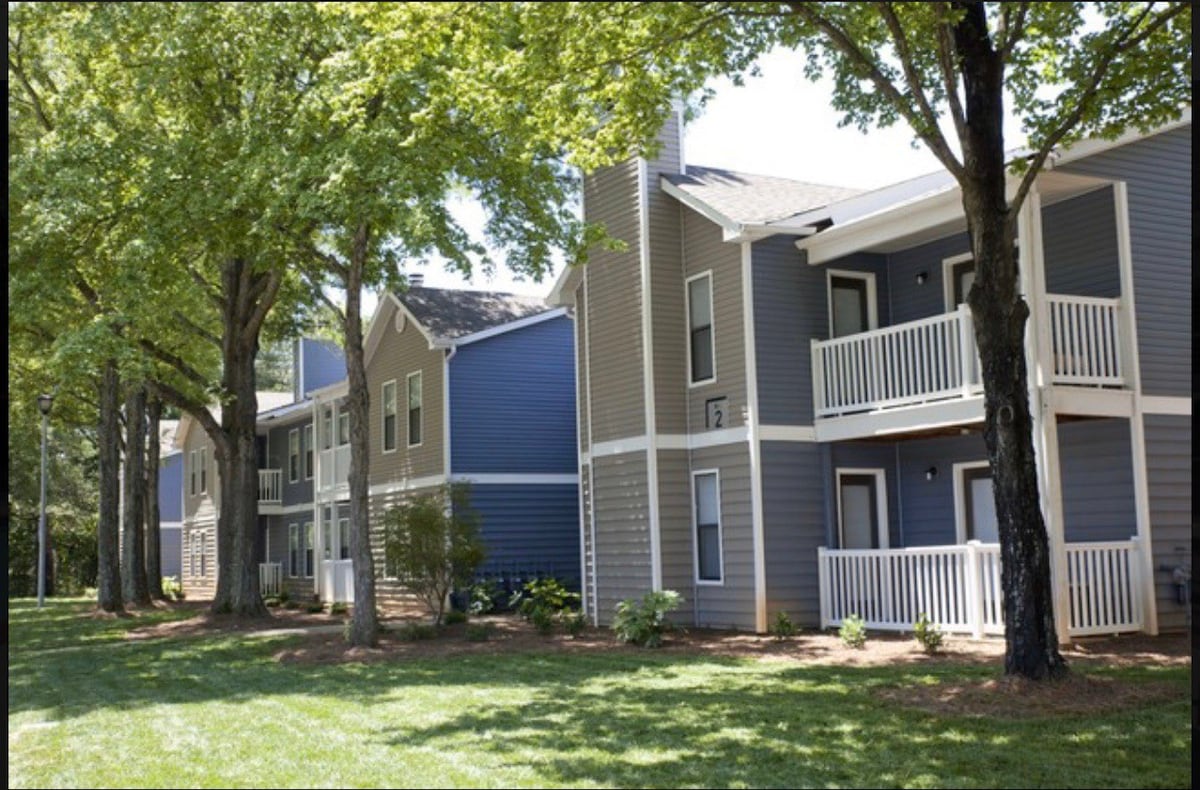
(912, 300)
(1096, 464)
(1080, 246)
(170, 551)
(865, 455)
(512, 402)
(794, 525)
(322, 364)
(170, 488)
(529, 530)
(277, 458)
(927, 506)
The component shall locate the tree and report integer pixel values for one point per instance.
(1069, 70)
(432, 543)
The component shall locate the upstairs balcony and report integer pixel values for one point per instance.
(270, 491)
(934, 362)
(333, 468)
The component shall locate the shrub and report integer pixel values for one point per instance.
(415, 632)
(283, 596)
(544, 602)
(575, 624)
(271, 602)
(453, 617)
(927, 634)
(644, 623)
(432, 551)
(291, 605)
(338, 607)
(479, 632)
(853, 631)
(783, 627)
(172, 589)
(483, 596)
(316, 607)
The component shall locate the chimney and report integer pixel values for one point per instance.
(416, 280)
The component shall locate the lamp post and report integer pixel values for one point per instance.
(44, 404)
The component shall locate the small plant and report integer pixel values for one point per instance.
(291, 605)
(543, 620)
(338, 607)
(644, 623)
(575, 624)
(284, 597)
(416, 632)
(316, 607)
(483, 597)
(853, 632)
(544, 602)
(927, 634)
(271, 602)
(479, 632)
(454, 617)
(783, 627)
(172, 588)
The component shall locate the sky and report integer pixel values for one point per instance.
(776, 124)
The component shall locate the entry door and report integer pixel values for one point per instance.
(850, 309)
(859, 512)
(982, 524)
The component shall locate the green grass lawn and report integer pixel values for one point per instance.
(88, 709)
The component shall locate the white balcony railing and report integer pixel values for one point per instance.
(337, 581)
(270, 578)
(335, 467)
(270, 486)
(958, 587)
(1085, 336)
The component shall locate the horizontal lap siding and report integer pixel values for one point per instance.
(512, 402)
(195, 585)
(622, 530)
(581, 367)
(1096, 464)
(1169, 474)
(911, 300)
(170, 488)
(730, 604)
(277, 458)
(675, 526)
(793, 528)
(389, 593)
(1080, 246)
(170, 550)
(927, 506)
(666, 287)
(1158, 173)
(529, 530)
(865, 455)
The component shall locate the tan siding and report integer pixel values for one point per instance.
(390, 595)
(192, 504)
(703, 250)
(195, 585)
(666, 291)
(398, 355)
(614, 307)
(622, 530)
(732, 602)
(675, 525)
(581, 358)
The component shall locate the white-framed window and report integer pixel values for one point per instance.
(852, 302)
(293, 549)
(194, 554)
(413, 385)
(293, 455)
(203, 469)
(306, 444)
(343, 426)
(309, 549)
(203, 556)
(862, 508)
(192, 475)
(388, 401)
(326, 538)
(958, 274)
(343, 538)
(326, 427)
(702, 347)
(975, 503)
(706, 521)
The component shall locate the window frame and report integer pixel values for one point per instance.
(881, 503)
(691, 330)
(293, 455)
(960, 471)
(419, 374)
(307, 450)
(192, 474)
(720, 580)
(342, 424)
(343, 527)
(308, 550)
(948, 267)
(872, 297)
(395, 415)
(293, 549)
(203, 470)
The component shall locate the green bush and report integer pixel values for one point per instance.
(172, 588)
(927, 634)
(415, 632)
(316, 607)
(479, 632)
(544, 602)
(575, 624)
(644, 623)
(291, 605)
(271, 602)
(284, 597)
(453, 617)
(338, 607)
(433, 549)
(483, 597)
(783, 627)
(853, 632)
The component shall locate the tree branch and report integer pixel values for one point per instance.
(174, 361)
(34, 98)
(911, 77)
(196, 329)
(199, 411)
(945, 41)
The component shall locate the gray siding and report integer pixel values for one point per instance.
(1079, 239)
(581, 367)
(675, 524)
(1169, 473)
(1158, 171)
(909, 300)
(171, 550)
(927, 506)
(614, 307)
(1096, 464)
(865, 455)
(793, 528)
(622, 530)
(731, 603)
(277, 458)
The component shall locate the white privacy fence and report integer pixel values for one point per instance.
(270, 486)
(958, 587)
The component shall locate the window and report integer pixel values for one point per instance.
(308, 548)
(343, 427)
(203, 469)
(343, 538)
(862, 509)
(414, 409)
(851, 303)
(326, 539)
(293, 455)
(958, 274)
(389, 416)
(706, 501)
(293, 550)
(203, 558)
(194, 554)
(192, 474)
(702, 359)
(327, 428)
(974, 503)
(307, 444)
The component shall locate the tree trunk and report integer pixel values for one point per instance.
(153, 516)
(133, 544)
(1000, 314)
(364, 626)
(108, 570)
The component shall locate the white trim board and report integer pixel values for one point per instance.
(699, 441)
(408, 484)
(1167, 404)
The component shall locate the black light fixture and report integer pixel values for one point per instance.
(922, 277)
(931, 473)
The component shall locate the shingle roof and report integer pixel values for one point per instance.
(449, 314)
(751, 199)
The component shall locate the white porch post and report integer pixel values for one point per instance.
(1032, 270)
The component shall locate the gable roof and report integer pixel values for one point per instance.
(750, 199)
(449, 315)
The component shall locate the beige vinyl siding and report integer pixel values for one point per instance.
(398, 355)
(581, 357)
(622, 530)
(703, 250)
(210, 499)
(1169, 475)
(390, 594)
(614, 307)
(194, 585)
(731, 603)
(675, 526)
(669, 322)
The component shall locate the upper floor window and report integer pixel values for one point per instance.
(701, 350)
(192, 474)
(326, 427)
(293, 455)
(414, 409)
(389, 416)
(306, 441)
(343, 427)
(851, 303)
(203, 469)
